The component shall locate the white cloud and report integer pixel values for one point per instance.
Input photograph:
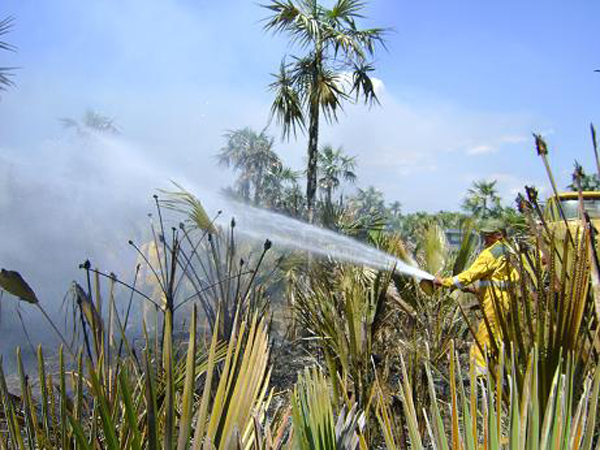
(481, 149)
(514, 139)
(409, 146)
(496, 144)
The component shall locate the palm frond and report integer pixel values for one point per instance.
(362, 84)
(287, 105)
(5, 77)
(368, 38)
(329, 94)
(6, 26)
(187, 203)
(313, 417)
(6, 73)
(284, 15)
(347, 9)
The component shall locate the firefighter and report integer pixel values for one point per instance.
(494, 273)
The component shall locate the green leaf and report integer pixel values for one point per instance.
(108, 425)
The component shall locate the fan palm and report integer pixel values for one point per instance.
(251, 154)
(334, 69)
(334, 167)
(482, 199)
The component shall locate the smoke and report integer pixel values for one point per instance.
(74, 198)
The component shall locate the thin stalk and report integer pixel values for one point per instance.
(25, 331)
(195, 246)
(543, 152)
(595, 144)
(56, 330)
(164, 239)
(156, 275)
(137, 270)
(128, 286)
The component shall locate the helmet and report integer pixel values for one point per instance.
(490, 226)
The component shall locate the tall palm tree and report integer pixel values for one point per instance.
(482, 199)
(334, 69)
(6, 72)
(251, 154)
(333, 168)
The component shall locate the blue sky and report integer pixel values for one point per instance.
(462, 85)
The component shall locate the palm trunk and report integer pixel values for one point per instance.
(245, 189)
(311, 173)
(258, 187)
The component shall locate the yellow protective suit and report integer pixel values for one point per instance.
(494, 273)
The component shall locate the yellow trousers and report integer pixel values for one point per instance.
(483, 333)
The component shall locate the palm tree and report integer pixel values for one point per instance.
(292, 200)
(251, 154)
(6, 72)
(482, 199)
(369, 201)
(279, 179)
(333, 70)
(394, 215)
(91, 122)
(395, 209)
(333, 168)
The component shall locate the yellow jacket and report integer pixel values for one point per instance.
(491, 268)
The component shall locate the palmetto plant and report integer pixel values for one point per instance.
(314, 425)
(498, 412)
(154, 405)
(333, 69)
(343, 308)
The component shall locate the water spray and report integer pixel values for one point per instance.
(286, 232)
